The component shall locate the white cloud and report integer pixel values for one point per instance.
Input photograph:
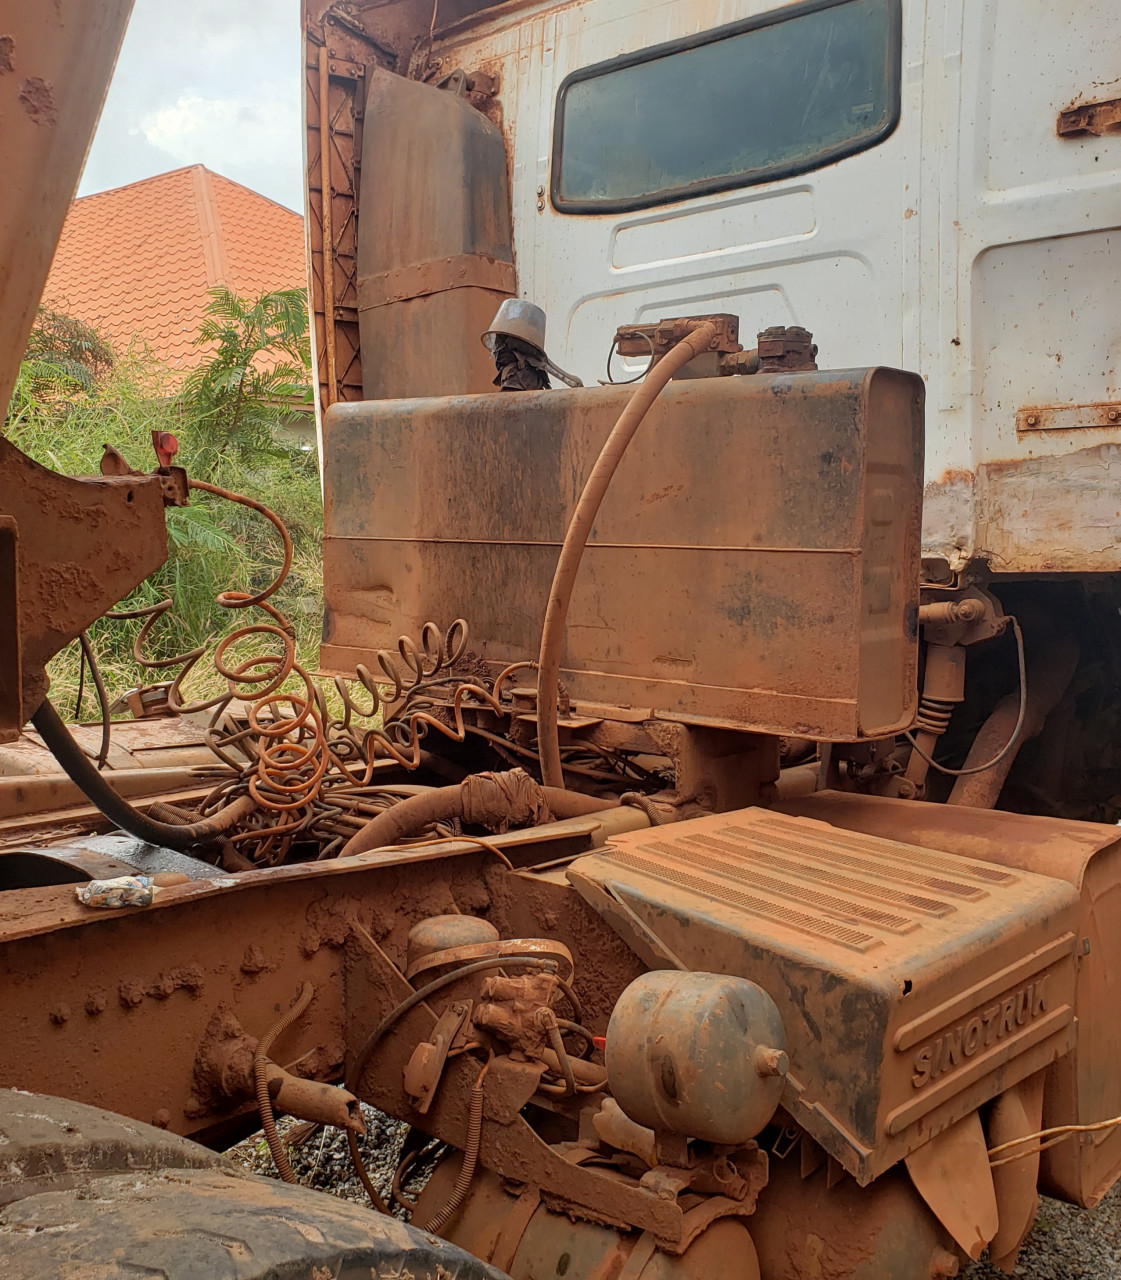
(213, 82)
(225, 130)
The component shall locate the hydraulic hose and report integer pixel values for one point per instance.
(93, 785)
(576, 539)
(411, 816)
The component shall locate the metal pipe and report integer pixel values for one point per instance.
(313, 1100)
(444, 803)
(797, 781)
(576, 539)
(97, 790)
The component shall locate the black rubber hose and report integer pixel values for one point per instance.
(81, 771)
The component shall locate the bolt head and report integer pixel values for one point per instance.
(771, 1062)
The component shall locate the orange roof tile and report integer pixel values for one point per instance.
(139, 259)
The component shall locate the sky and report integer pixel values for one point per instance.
(213, 82)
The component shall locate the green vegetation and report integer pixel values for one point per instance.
(232, 417)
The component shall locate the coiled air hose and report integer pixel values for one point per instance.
(576, 539)
(93, 785)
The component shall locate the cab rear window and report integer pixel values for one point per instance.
(762, 99)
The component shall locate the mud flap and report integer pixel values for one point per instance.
(951, 1172)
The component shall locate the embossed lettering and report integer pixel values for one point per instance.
(952, 1053)
(991, 1024)
(972, 1037)
(982, 1029)
(923, 1060)
(936, 1059)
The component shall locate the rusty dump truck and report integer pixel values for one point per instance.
(701, 830)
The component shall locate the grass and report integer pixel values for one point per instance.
(227, 418)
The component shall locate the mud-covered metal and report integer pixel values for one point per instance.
(755, 563)
(513, 1229)
(913, 985)
(699, 1054)
(1083, 1086)
(813, 1223)
(55, 63)
(435, 254)
(81, 545)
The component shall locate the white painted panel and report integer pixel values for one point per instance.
(974, 244)
(732, 226)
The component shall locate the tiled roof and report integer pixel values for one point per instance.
(139, 259)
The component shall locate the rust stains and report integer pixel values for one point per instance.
(7, 44)
(950, 477)
(36, 96)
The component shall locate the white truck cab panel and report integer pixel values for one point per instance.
(969, 241)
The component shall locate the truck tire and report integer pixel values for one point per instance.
(50, 1143)
(87, 1195)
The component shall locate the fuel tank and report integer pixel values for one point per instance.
(754, 564)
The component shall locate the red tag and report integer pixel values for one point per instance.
(166, 446)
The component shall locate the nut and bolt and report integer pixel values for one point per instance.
(770, 1062)
(1113, 415)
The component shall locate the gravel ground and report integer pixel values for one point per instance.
(1066, 1243)
(323, 1161)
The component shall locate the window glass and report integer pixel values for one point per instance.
(793, 91)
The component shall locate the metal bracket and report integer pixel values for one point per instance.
(11, 698)
(1095, 118)
(426, 1066)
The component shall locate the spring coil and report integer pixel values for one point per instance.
(308, 769)
(306, 752)
(934, 714)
